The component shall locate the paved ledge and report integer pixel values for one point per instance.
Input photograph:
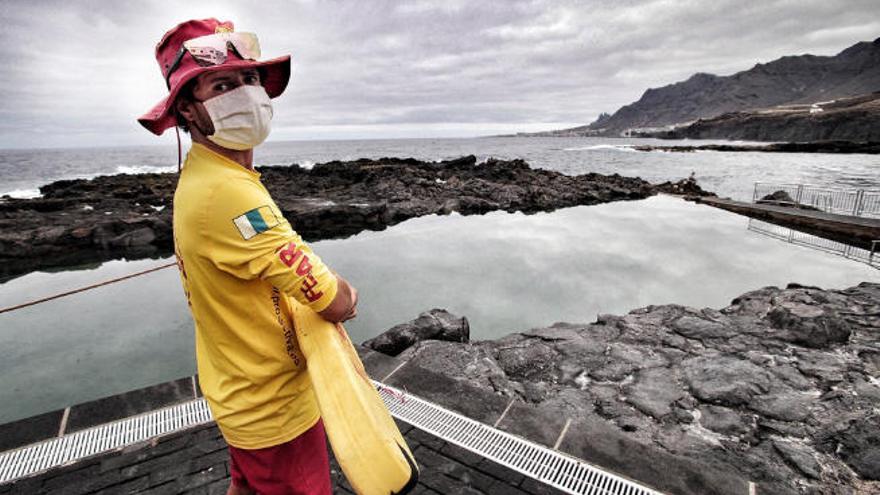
(196, 461)
(81, 416)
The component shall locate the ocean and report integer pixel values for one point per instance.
(728, 174)
(505, 272)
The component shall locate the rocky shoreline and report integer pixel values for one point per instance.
(82, 221)
(841, 147)
(782, 386)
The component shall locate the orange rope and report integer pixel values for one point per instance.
(83, 289)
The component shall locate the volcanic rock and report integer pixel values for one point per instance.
(780, 387)
(77, 221)
(436, 324)
(777, 197)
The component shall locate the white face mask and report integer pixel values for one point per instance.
(241, 117)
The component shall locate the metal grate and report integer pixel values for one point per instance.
(45, 455)
(543, 464)
(536, 461)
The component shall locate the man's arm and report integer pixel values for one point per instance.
(344, 304)
(249, 238)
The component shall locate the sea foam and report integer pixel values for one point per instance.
(23, 194)
(144, 169)
(603, 147)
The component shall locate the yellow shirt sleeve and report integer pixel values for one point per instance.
(250, 238)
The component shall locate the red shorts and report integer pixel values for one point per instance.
(299, 466)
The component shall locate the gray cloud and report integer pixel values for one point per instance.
(79, 73)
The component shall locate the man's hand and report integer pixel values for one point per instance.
(344, 305)
(354, 301)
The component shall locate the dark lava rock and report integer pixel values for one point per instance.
(436, 324)
(527, 361)
(859, 445)
(809, 325)
(777, 197)
(724, 420)
(829, 369)
(782, 198)
(725, 380)
(801, 457)
(685, 187)
(774, 399)
(694, 327)
(78, 221)
(655, 391)
(788, 406)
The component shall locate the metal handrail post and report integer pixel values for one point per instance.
(857, 207)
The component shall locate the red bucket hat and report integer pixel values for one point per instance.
(275, 72)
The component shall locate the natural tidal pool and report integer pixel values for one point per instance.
(505, 272)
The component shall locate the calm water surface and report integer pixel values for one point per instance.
(505, 272)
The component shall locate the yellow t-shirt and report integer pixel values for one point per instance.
(243, 268)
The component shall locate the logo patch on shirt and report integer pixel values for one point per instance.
(255, 222)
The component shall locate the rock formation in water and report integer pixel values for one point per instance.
(78, 221)
(781, 386)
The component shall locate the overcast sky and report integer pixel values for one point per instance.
(80, 73)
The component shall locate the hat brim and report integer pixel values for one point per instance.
(275, 76)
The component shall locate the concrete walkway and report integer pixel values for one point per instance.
(196, 461)
(857, 231)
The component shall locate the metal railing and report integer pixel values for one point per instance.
(870, 257)
(857, 202)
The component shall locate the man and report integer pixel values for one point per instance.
(242, 266)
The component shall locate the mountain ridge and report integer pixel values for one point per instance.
(788, 80)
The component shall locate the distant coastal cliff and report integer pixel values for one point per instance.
(853, 119)
(789, 99)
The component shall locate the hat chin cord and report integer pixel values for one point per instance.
(179, 152)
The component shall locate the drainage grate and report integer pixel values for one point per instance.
(41, 456)
(533, 460)
(545, 465)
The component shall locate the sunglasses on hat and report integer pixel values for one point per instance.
(213, 49)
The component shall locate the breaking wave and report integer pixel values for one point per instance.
(604, 147)
(144, 169)
(23, 194)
